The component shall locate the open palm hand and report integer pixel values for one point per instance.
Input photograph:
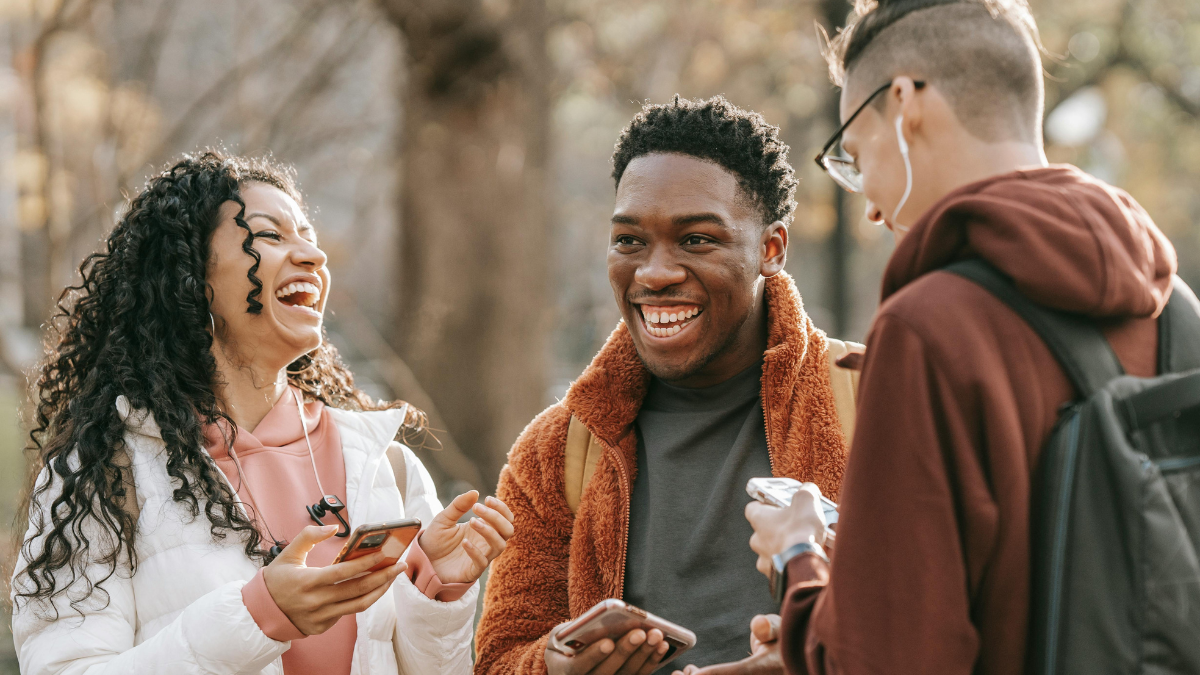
(459, 552)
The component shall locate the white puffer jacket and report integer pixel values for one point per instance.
(182, 612)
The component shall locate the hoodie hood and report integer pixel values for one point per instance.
(1069, 242)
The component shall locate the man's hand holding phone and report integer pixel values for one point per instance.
(637, 652)
(314, 598)
(776, 529)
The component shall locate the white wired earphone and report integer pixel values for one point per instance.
(329, 503)
(907, 173)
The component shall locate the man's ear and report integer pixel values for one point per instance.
(907, 101)
(774, 249)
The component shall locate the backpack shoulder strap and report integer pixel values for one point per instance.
(582, 453)
(395, 455)
(1078, 345)
(844, 382)
(1179, 331)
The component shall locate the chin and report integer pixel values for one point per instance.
(673, 370)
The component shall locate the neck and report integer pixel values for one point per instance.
(247, 392)
(975, 160)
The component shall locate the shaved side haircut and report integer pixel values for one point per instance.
(984, 56)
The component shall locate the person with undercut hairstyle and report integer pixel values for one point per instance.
(715, 375)
(942, 103)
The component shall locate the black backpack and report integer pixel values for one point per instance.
(1115, 536)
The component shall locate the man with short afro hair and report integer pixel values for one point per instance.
(716, 130)
(633, 486)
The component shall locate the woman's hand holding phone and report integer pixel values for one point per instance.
(459, 552)
(314, 598)
(638, 652)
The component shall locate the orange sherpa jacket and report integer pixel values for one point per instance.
(557, 565)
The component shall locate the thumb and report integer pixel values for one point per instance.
(765, 627)
(297, 551)
(458, 507)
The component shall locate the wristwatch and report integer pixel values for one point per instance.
(779, 563)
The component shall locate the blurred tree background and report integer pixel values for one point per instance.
(455, 156)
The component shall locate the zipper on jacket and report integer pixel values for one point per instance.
(1058, 549)
(762, 401)
(626, 489)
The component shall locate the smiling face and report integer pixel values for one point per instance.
(293, 274)
(686, 261)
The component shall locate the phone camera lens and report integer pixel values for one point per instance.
(373, 541)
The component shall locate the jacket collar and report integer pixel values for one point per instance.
(365, 438)
(609, 393)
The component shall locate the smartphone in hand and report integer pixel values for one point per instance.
(391, 537)
(613, 618)
(779, 492)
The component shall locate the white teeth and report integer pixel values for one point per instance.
(313, 293)
(665, 318)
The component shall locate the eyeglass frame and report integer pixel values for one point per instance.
(837, 136)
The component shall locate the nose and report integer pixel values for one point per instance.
(659, 270)
(874, 214)
(309, 255)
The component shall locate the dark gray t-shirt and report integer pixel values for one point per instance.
(689, 558)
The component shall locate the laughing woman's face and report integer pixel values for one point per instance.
(295, 281)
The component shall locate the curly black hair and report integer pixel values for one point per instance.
(137, 325)
(716, 130)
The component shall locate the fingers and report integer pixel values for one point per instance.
(457, 508)
(763, 565)
(339, 572)
(646, 659)
(764, 629)
(296, 553)
(627, 646)
(476, 555)
(500, 522)
(584, 661)
(363, 602)
(348, 590)
(756, 511)
(500, 506)
(493, 538)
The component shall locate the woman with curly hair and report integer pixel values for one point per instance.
(201, 450)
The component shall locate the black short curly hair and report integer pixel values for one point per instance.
(715, 129)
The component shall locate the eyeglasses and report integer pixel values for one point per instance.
(842, 169)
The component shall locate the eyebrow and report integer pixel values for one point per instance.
(700, 218)
(307, 227)
(259, 214)
(689, 219)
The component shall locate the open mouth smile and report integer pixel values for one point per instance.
(299, 294)
(665, 321)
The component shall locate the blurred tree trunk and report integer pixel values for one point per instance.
(473, 312)
(841, 245)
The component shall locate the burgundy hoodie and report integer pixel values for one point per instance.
(957, 397)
